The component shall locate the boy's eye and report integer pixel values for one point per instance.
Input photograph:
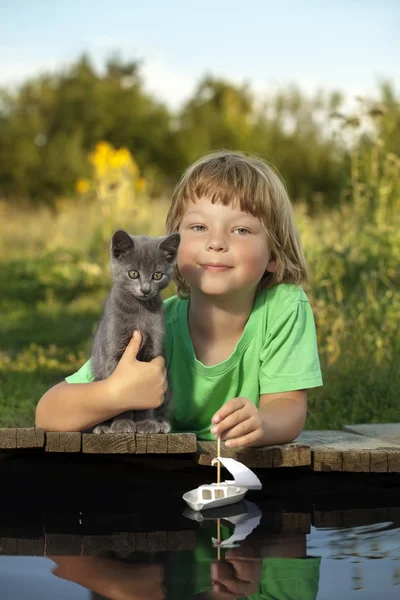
(237, 229)
(133, 274)
(157, 275)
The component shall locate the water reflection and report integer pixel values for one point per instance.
(232, 559)
(235, 552)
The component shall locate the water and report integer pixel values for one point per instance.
(280, 556)
(80, 527)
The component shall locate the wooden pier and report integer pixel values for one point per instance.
(356, 448)
(86, 495)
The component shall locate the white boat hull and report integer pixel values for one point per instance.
(237, 493)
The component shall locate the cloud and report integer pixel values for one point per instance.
(14, 70)
(169, 84)
(160, 79)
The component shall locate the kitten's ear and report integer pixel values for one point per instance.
(170, 245)
(121, 242)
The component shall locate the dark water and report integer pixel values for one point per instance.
(324, 563)
(80, 528)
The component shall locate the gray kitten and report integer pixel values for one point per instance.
(141, 267)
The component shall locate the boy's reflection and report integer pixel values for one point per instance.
(264, 566)
(111, 578)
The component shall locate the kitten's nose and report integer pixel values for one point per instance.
(145, 290)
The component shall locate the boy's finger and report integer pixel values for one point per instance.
(230, 421)
(247, 570)
(222, 592)
(244, 440)
(235, 586)
(228, 408)
(239, 430)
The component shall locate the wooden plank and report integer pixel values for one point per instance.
(285, 522)
(109, 443)
(286, 455)
(157, 541)
(181, 443)
(342, 451)
(181, 540)
(157, 444)
(8, 438)
(22, 546)
(123, 542)
(388, 432)
(141, 542)
(58, 441)
(19, 437)
(61, 544)
(154, 443)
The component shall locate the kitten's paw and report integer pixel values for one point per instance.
(164, 426)
(152, 426)
(123, 426)
(102, 429)
(144, 427)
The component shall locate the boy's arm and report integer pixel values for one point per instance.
(283, 416)
(75, 406)
(134, 385)
(279, 420)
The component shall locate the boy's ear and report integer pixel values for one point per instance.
(271, 267)
(170, 244)
(121, 242)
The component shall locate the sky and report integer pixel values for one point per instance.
(347, 45)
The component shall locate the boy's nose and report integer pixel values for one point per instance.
(217, 244)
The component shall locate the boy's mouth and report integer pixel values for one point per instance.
(215, 267)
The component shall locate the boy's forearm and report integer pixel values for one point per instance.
(283, 420)
(74, 406)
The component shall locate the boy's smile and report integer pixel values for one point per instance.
(222, 249)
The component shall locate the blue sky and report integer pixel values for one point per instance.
(343, 44)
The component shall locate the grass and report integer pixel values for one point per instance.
(54, 276)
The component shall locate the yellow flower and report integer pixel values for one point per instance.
(113, 166)
(82, 185)
(140, 184)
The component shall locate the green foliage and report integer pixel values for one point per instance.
(54, 269)
(51, 123)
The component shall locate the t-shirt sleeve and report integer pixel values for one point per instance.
(289, 356)
(83, 375)
(289, 579)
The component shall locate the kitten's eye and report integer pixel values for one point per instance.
(133, 274)
(157, 275)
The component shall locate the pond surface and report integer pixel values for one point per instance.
(251, 560)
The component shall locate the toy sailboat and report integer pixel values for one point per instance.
(245, 516)
(222, 494)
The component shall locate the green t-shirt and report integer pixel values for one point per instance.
(277, 352)
(188, 573)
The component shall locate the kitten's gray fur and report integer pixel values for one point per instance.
(126, 309)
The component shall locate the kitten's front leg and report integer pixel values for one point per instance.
(152, 426)
(102, 428)
(123, 426)
(162, 414)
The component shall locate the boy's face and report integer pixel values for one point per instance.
(213, 233)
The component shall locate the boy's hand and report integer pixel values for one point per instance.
(138, 385)
(238, 422)
(237, 576)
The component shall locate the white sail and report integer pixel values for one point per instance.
(244, 525)
(243, 476)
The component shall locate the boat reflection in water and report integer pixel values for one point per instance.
(232, 558)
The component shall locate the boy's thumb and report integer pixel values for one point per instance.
(136, 340)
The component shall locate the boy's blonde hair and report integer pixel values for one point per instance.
(229, 177)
